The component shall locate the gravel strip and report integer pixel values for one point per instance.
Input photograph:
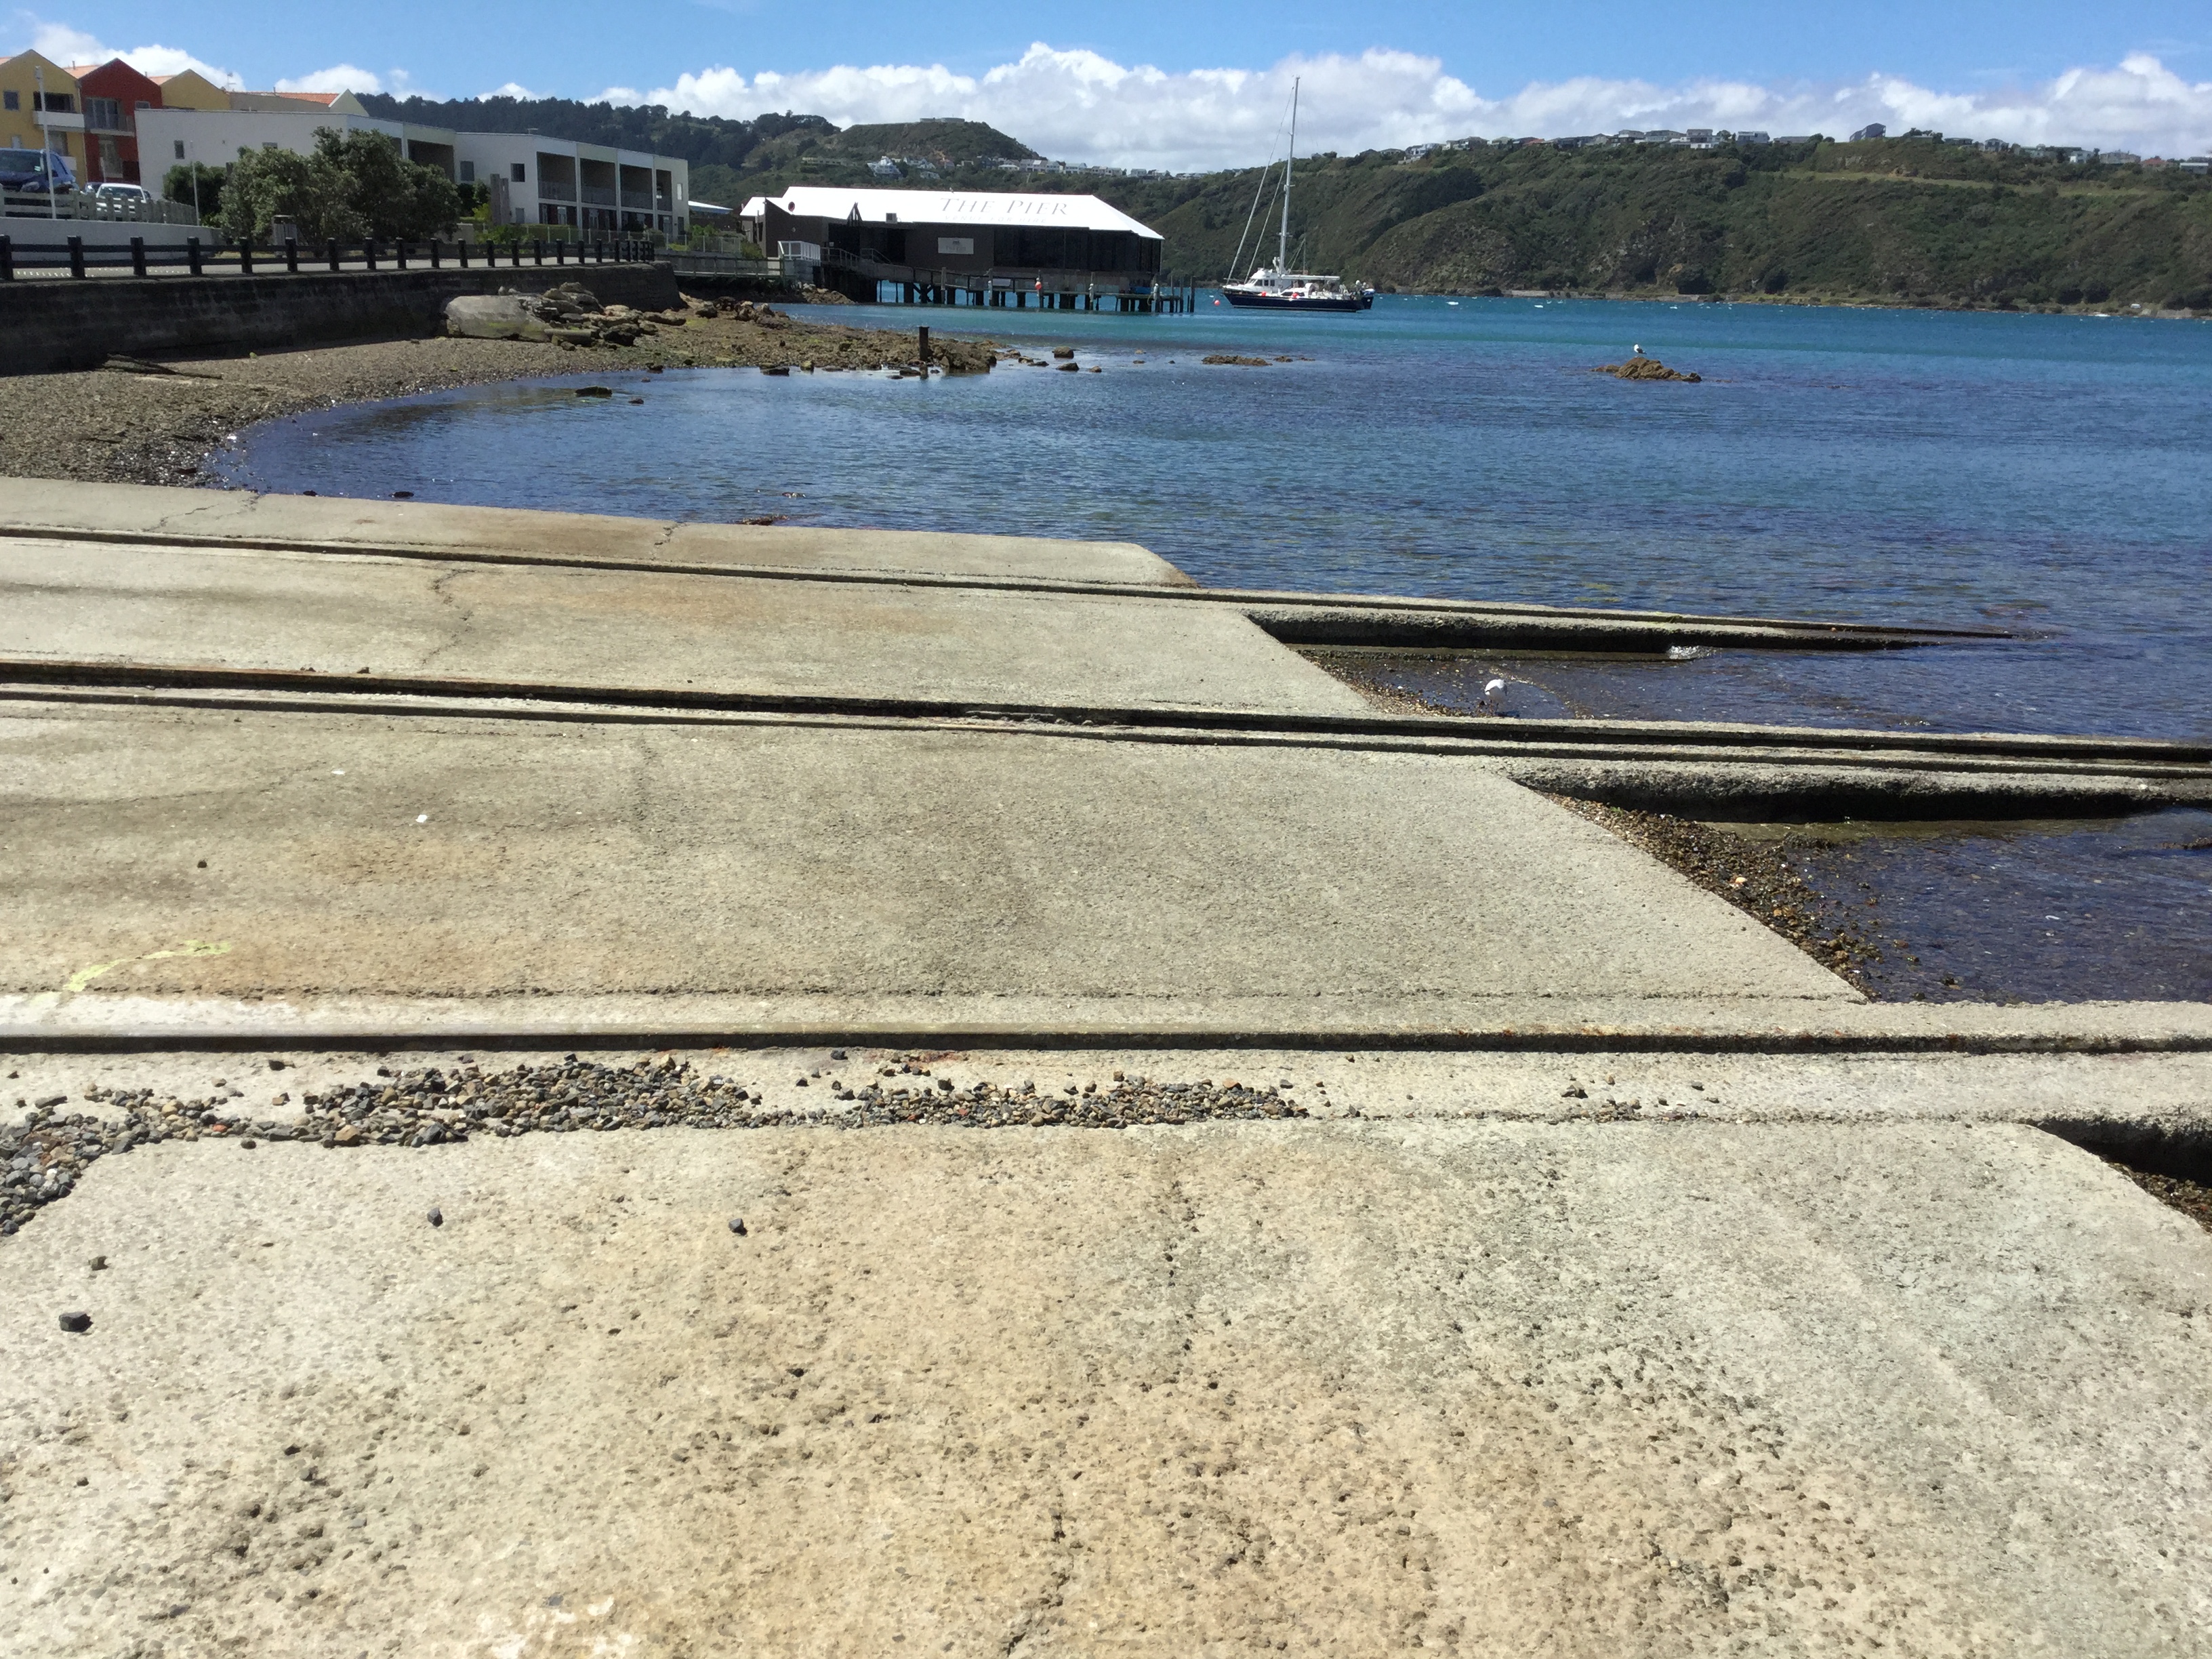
(44, 1156)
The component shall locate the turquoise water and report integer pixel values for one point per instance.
(2046, 475)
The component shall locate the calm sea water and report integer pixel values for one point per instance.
(2049, 475)
(2045, 475)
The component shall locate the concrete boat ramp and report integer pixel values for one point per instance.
(1415, 1218)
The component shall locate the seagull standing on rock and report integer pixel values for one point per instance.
(1636, 351)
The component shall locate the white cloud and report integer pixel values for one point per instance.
(66, 45)
(625, 95)
(1081, 107)
(509, 89)
(339, 77)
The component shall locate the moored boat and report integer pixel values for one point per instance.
(1277, 287)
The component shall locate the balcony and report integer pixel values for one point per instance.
(556, 190)
(640, 199)
(596, 195)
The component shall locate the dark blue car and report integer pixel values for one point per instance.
(30, 170)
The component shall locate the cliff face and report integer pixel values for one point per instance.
(1917, 222)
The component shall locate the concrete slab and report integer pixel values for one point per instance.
(339, 523)
(198, 853)
(1619, 1390)
(181, 606)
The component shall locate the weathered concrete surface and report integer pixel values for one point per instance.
(103, 1014)
(336, 523)
(1605, 1390)
(460, 858)
(184, 606)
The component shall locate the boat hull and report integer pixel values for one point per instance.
(1284, 302)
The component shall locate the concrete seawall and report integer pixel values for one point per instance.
(61, 325)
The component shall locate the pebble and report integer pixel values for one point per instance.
(738, 1225)
(43, 1155)
(76, 1323)
(437, 1217)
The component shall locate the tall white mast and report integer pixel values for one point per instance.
(1283, 247)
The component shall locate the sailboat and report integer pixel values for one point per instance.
(1277, 287)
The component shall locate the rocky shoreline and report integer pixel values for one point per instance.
(135, 422)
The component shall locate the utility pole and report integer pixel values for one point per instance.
(45, 141)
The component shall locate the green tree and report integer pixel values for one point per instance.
(197, 186)
(351, 186)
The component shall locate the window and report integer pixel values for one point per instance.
(180, 150)
(142, 104)
(468, 169)
(519, 175)
(14, 100)
(104, 113)
(54, 103)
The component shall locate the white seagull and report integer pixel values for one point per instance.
(1636, 351)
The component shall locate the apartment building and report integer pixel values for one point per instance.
(38, 108)
(530, 180)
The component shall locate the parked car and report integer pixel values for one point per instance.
(30, 170)
(111, 191)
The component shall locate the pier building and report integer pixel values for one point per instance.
(965, 248)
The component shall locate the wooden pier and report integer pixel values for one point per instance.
(875, 282)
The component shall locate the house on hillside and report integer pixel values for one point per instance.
(1068, 249)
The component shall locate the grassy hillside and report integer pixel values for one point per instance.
(1911, 221)
(730, 159)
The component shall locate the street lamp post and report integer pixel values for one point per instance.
(45, 141)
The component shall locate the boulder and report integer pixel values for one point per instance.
(1644, 369)
(493, 317)
(1239, 362)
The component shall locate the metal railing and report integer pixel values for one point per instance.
(84, 204)
(224, 256)
(555, 190)
(690, 262)
(596, 195)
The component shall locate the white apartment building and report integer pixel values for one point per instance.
(533, 179)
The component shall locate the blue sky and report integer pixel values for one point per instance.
(1198, 85)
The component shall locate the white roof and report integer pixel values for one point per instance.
(949, 207)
